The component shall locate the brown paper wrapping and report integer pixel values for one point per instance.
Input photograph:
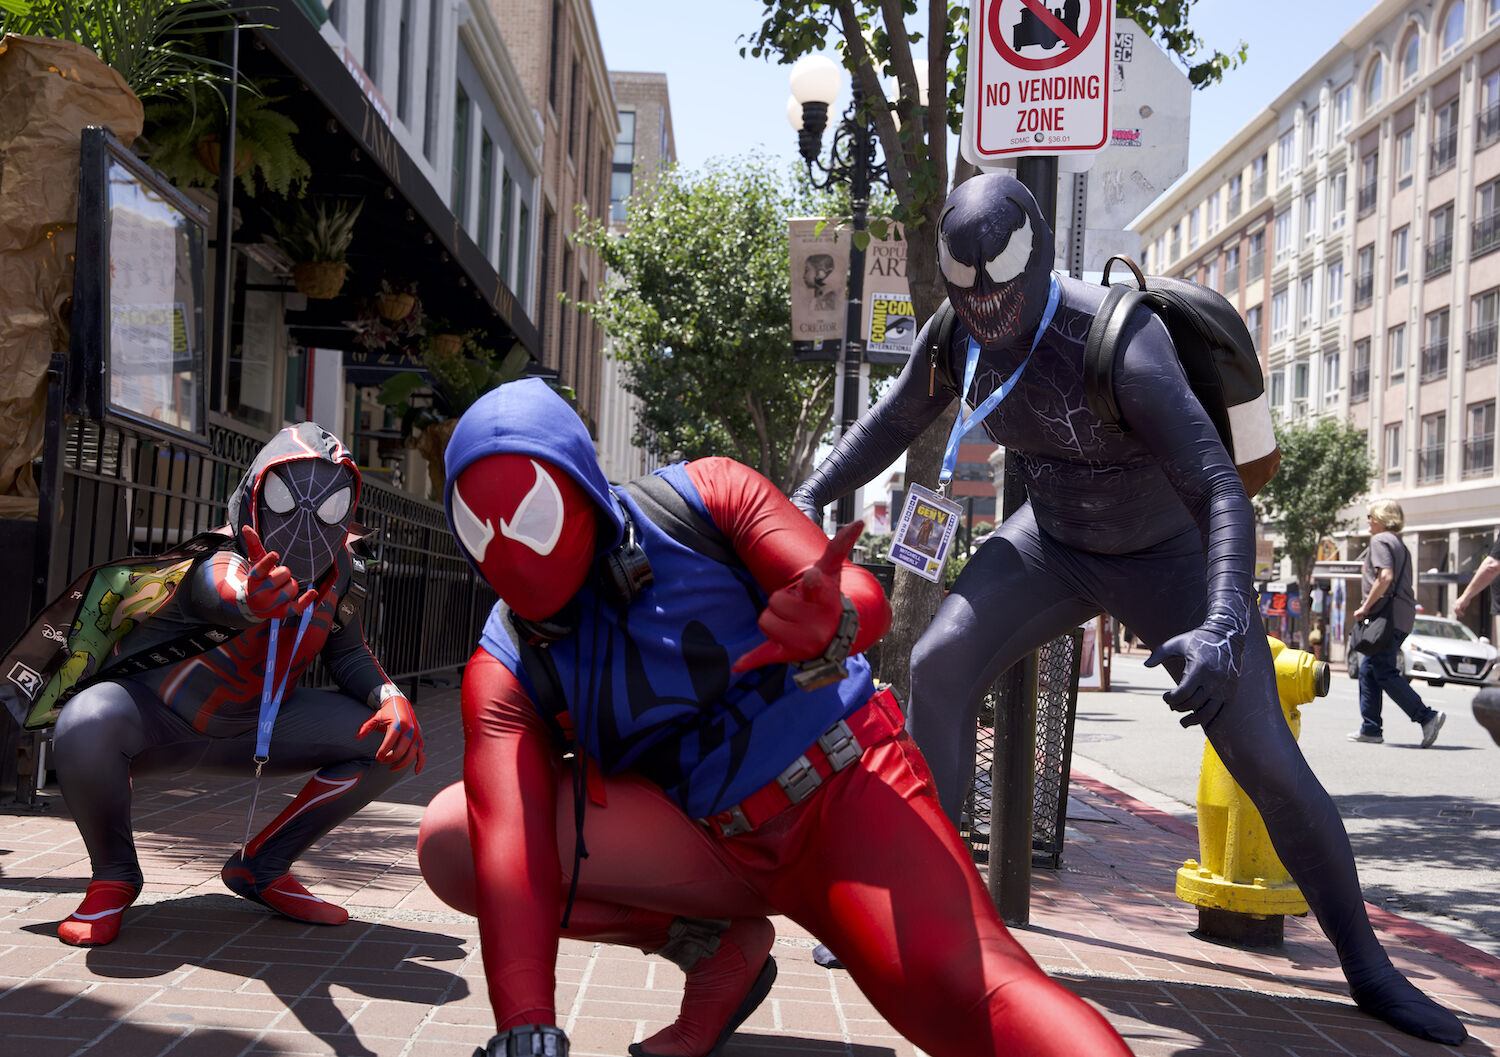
(50, 90)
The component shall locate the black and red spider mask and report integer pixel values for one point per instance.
(299, 495)
(996, 253)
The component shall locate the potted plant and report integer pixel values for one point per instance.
(396, 300)
(185, 133)
(317, 239)
(430, 401)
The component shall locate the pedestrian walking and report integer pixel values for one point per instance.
(1387, 591)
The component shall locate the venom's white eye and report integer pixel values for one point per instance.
(538, 520)
(1011, 261)
(277, 495)
(474, 534)
(961, 275)
(336, 507)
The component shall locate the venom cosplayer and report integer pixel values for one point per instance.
(292, 515)
(694, 641)
(1152, 526)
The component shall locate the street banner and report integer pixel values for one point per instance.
(1038, 79)
(819, 287)
(890, 324)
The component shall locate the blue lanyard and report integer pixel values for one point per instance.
(961, 425)
(272, 691)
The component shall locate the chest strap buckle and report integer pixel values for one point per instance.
(840, 746)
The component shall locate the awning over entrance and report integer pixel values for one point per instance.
(405, 229)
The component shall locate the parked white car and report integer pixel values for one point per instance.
(1442, 650)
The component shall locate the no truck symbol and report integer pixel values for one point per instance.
(1029, 24)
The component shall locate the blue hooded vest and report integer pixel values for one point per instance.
(649, 684)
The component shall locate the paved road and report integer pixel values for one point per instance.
(1425, 824)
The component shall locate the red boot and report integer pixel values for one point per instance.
(729, 973)
(283, 895)
(97, 919)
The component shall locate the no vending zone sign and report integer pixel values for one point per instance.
(1038, 77)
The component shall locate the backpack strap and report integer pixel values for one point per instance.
(671, 512)
(1099, 355)
(939, 342)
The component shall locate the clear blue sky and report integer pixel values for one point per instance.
(725, 106)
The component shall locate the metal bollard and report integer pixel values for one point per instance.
(1238, 884)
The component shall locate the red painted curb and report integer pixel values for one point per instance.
(1429, 939)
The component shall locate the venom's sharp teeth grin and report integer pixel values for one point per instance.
(995, 315)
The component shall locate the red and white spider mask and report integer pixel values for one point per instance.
(529, 527)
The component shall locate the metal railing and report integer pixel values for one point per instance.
(1430, 464)
(1439, 255)
(1365, 199)
(1231, 278)
(1485, 235)
(1487, 128)
(1364, 290)
(1232, 207)
(1435, 360)
(1482, 345)
(1359, 384)
(1479, 455)
(1444, 152)
(1255, 266)
(127, 488)
(1258, 188)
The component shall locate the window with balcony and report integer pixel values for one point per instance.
(1404, 158)
(1485, 237)
(1331, 376)
(1285, 243)
(1364, 277)
(1343, 108)
(1281, 316)
(1255, 324)
(1400, 255)
(1391, 457)
(1487, 120)
(1231, 269)
(1234, 198)
(1338, 200)
(1369, 172)
(1255, 259)
(1286, 156)
(1258, 168)
(1445, 137)
(1453, 31)
(1479, 441)
(1430, 455)
(1411, 59)
(1484, 329)
(1439, 251)
(1435, 345)
(1374, 86)
(1359, 371)
(1334, 285)
(1395, 354)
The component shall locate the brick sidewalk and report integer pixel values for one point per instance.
(199, 972)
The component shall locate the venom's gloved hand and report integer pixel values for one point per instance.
(403, 738)
(265, 590)
(1210, 658)
(809, 617)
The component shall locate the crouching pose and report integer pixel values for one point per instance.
(266, 615)
(1151, 525)
(694, 642)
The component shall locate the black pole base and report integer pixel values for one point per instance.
(1240, 930)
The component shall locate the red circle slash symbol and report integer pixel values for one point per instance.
(1036, 25)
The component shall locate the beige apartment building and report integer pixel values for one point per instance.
(1355, 223)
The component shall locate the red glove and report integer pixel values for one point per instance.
(403, 738)
(801, 619)
(266, 589)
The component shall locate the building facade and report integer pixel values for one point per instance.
(1354, 223)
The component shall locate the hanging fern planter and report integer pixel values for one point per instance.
(319, 280)
(210, 153)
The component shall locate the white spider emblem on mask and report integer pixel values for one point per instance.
(537, 523)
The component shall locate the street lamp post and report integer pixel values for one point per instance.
(815, 83)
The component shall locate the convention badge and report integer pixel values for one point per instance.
(925, 532)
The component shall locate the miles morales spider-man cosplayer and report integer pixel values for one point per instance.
(298, 500)
(1152, 526)
(717, 791)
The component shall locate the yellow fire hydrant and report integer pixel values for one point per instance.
(1238, 884)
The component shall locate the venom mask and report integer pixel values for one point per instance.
(995, 251)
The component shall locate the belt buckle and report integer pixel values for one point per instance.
(737, 823)
(840, 745)
(799, 780)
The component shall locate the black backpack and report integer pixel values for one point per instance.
(1213, 345)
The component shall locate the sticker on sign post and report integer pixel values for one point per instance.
(1038, 78)
(925, 532)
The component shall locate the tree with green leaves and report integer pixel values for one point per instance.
(698, 312)
(1325, 466)
(923, 52)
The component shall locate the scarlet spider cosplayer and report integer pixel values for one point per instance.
(738, 758)
(1152, 526)
(298, 500)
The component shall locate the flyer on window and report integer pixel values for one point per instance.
(925, 532)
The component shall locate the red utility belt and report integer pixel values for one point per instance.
(837, 747)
